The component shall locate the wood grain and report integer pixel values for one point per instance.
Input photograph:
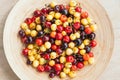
(24, 9)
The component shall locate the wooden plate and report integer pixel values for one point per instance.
(13, 46)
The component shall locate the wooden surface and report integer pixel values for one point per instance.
(113, 69)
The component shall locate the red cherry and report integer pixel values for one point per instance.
(80, 65)
(39, 42)
(74, 68)
(62, 65)
(47, 24)
(68, 29)
(70, 59)
(88, 30)
(91, 54)
(40, 68)
(59, 28)
(93, 43)
(59, 36)
(54, 47)
(78, 9)
(57, 67)
(59, 51)
(24, 39)
(62, 7)
(84, 14)
(76, 25)
(57, 72)
(66, 39)
(44, 10)
(25, 51)
(45, 38)
(33, 18)
(37, 13)
(63, 18)
(46, 56)
(28, 21)
(47, 68)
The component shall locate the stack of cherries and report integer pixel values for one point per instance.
(58, 39)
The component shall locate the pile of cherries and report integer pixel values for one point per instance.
(58, 39)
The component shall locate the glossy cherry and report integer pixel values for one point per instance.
(39, 42)
(76, 25)
(70, 59)
(66, 39)
(41, 68)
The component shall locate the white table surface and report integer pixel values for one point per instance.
(112, 72)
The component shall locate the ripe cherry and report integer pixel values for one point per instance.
(88, 30)
(57, 67)
(74, 68)
(93, 43)
(25, 51)
(59, 28)
(68, 29)
(54, 47)
(66, 39)
(40, 68)
(70, 59)
(84, 14)
(78, 9)
(80, 65)
(76, 25)
(47, 68)
(46, 56)
(59, 36)
(39, 42)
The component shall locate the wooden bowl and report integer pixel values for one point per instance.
(13, 45)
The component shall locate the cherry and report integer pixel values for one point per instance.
(53, 34)
(91, 54)
(52, 74)
(39, 42)
(59, 36)
(47, 24)
(46, 56)
(40, 68)
(64, 12)
(24, 39)
(59, 28)
(70, 59)
(45, 38)
(57, 8)
(37, 13)
(78, 9)
(66, 39)
(47, 68)
(57, 67)
(54, 47)
(59, 51)
(93, 43)
(25, 51)
(74, 68)
(84, 14)
(21, 33)
(80, 65)
(68, 29)
(88, 30)
(28, 21)
(63, 18)
(44, 10)
(57, 72)
(61, 7)
(76, 25)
